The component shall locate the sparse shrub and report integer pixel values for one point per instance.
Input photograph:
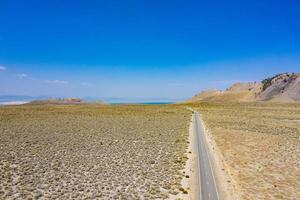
(184, 191)
(69, 155)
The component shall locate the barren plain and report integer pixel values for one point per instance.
(260, 146)
(93, 151)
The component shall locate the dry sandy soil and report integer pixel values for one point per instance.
(92, 151)
(260, 146)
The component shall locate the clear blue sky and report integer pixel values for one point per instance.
(143, 48)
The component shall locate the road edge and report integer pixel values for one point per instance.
(226, 191)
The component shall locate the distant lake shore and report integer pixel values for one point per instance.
(7, 103)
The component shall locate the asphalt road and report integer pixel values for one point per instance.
(206, 180)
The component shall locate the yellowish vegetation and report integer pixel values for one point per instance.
(133, 152)
(260, 144)
(92, 151)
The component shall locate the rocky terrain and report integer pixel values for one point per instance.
(260, 146)
(282, 88)
(92, 151)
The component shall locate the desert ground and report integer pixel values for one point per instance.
(259, 145)
(140, 152)
(95, 151)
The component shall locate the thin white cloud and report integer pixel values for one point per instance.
(57, 81)
(2, 68)
(22, 75)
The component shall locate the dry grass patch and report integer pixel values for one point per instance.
(260, 143)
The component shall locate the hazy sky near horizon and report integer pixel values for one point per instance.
(142, 48)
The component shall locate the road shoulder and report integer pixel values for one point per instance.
(223, 179)
(193, 162)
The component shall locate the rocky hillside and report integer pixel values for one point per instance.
(282, 87)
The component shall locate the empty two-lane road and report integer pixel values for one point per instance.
(208, 188)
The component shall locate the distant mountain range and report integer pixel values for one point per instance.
(283, 87)
(17, 99)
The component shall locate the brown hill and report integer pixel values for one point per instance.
(239, 92)
(207, 95)
(282, 87)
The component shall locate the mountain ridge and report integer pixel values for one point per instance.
(284, 87)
